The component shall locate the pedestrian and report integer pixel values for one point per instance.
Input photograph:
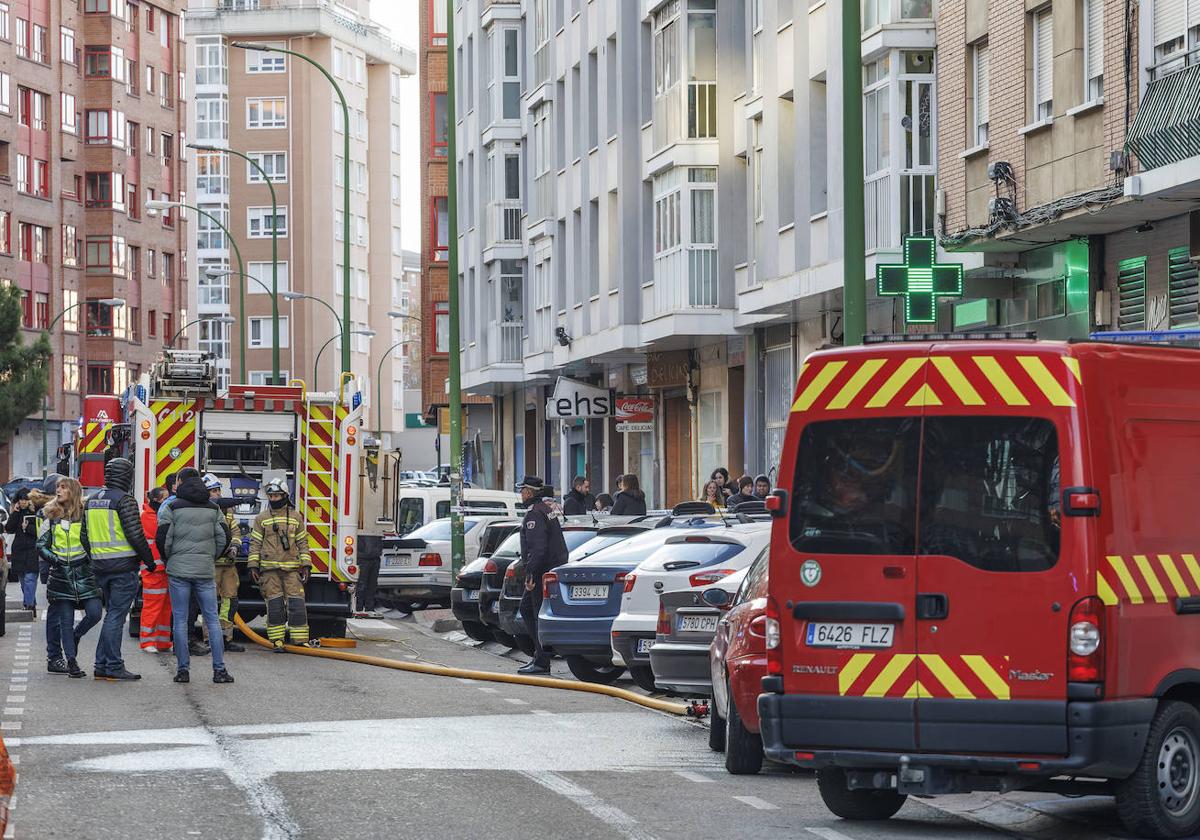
(154, 632)
(196, 644)
(762, 487)
(171, 481)
(542, 549)
(225, 570)
(369, 556)
(23, 555)
(113, 536)
(712, 494)
(580, 500)
(69, 578)
(721, 476)
(280, 564)
(192, 534)
(630, 501)
(604, 503)
(745, 492)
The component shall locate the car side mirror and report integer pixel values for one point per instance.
(716, 597)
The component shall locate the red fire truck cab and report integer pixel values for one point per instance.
(984, 576)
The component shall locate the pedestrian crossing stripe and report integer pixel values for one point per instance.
(925, 676)
(1147, 579)
(865, 383)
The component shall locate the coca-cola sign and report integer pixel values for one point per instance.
(635, 414)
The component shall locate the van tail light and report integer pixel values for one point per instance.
(429, 558)
(510, 572)
(548, 579)
(1085, 642)
(626, 578)
(776, 503)
(705, 578)
(490, 567)
(774, 640)
(664, 623)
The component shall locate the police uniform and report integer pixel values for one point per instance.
(279, 551)
(542, 549)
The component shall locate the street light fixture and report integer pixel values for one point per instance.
(220, 319)
(263, 47)
(294, 296)
(317, 361)
(112, 301)
(378, 374)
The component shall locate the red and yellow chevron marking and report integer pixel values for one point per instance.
(317, 483)
(1147, 578)
(93, 438)
(888, 382)
(175, 438)
(959, 677)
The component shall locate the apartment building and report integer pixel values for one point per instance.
(1071, 177)
(285, 115)
(91, 127)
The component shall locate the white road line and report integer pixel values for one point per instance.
(541, 712)
(465, 680)
(487, 690)
(15, 711)
(611, 816)
(20, 679)
(515, 701)
(10, 725)
(755, 802)
(827, 833)
(693, 777)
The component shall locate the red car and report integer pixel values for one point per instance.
(738, 660)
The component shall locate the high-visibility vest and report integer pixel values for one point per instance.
(105, 534)
(66, 542)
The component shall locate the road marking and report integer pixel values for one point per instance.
(693, 777)
(541, 712)
(827, 833)
(15, 711)
(611, 816)
(489, 690)
(515, 701)
(755, 802)
(465, 680)
(20, 679)
(10, 725)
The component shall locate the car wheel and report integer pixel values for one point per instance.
(856, 804)
(593, 672)
(743, 748)
(1162, 797)
(643, 676)
(716, 729)
(525, 645)
(504, 639)
(477, 631)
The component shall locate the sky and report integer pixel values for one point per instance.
(400, 16)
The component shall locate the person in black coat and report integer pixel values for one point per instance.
(745, 492)
(542, 549)
(580, 500)
(631, 501)
(22, 524)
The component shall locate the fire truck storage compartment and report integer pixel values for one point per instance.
(249, 442)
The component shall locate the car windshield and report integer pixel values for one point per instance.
(439, 529)
(410, 515)
(596, 543)
(634, 549)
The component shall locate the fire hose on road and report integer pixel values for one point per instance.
(483, 676)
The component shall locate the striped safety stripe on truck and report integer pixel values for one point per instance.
(960, 677)
(93, 438)
(175, 436)
(1148, 578)
(918, 381)
(320, 484)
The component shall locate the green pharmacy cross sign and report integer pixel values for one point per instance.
(920, 280)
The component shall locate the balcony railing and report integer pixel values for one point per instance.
(685, 279)
(543, 198)
(877, 199)
(542, 64)
(507, 341)
(702, 110)
(541, 331)
(504, 222)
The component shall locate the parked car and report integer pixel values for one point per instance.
(689, 560)
(511, 577)
(417, 504)
(737, 664)
(464, 595)
(686, 626)
(415, 570)
(582, 599)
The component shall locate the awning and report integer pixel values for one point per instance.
(1167, 127)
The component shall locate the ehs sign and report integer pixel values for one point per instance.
(572, 399)
(635, 414)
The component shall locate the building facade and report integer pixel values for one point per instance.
(92, 102)
(287, 117)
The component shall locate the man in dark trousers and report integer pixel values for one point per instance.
(542, 549)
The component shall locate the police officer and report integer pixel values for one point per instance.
(279, 563)
(542, 549)
(113, 536)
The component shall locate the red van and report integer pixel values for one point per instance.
(984, 576)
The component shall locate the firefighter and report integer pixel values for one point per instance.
(225, 572)
(156, 604)
(279, 563)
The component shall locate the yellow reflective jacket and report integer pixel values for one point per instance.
(279, 540)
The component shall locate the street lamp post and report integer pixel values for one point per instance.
(166, 205)
(261, 47)
(46, 399)
(317, 361)
(220, 319)
(379, 371)
(457, 533)
(274, 250)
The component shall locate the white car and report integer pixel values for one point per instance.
(416, 569)
(685, 561)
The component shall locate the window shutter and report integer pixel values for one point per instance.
(1131, 294)
(1183, 290)
(1094, 37)
(1043, 33)
(981, 84)
(1169, 18)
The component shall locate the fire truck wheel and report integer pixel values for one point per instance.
(855, 804)
(716, 729)
(478, 632)
(743, 748)
(1162, 797)
(592, 672)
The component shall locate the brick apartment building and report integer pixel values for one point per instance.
(91, 127)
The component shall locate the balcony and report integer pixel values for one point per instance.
(543, 64)
(504, 223)
(506, 342)
(684, 279)
(542, 206)
(911, 193)
(1167, 127)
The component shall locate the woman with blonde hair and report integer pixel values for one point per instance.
(713, 495)
(71, 584)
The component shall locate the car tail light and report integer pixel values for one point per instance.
(664, 623)
(773, 639)
(705, 578)
(626, 578)
(490, 567)
(1085, 642)
(430, 559)
(510, 572)
(547, 579)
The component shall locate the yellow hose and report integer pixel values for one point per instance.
(462, 673)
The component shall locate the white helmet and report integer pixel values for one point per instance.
(276, 485)
(211, 482)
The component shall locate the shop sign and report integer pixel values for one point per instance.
(667, 370)
(572, 399)
(635, 414)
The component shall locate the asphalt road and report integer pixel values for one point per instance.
(307, 748)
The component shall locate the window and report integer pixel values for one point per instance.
(259, 332)
(440, 234)
(152, 323)
(980, 93)
(70, 245)
(1043, 65)
(258, 61)
(396, 193)
(67, 105)
(439, 129)
(105, 189)
(99, 374)
(215, 338)
(510, 90)
(66, 43)
(1176, 34)
(211, 178)
(105, 255)
(33, 108)
(274, 163)
(666, 52)
(6, 232)
(212, 116)
(258, 222)
(5, 34)
(164, 89)
(1093, 50)
(259, 282)
(437, 22)
(70, 380)
(106, 62)
(104, 320)
(395, 86)
(441, 326)
(210, 61)
(22, 38)
(5, 93)
(105, 128)
(666, 222)
(702, 68)
(266, 113)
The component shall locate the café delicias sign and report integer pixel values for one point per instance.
(635, 414)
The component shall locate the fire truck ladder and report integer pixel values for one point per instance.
(318, 481)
